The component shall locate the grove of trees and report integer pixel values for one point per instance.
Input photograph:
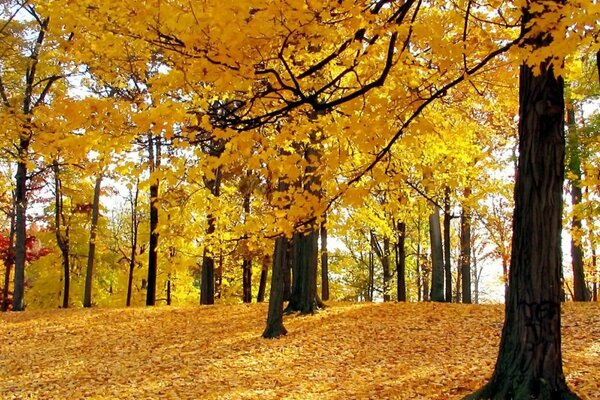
(181, 152)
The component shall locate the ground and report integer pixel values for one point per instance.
(360, 351)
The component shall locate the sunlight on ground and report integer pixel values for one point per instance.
(402, 351)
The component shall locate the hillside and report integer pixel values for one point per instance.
(377, 351)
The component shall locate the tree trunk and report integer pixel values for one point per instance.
(207, 281)
(133, 242)
(153, 247)
(465, 252)
(580, 292)
(87, 295)
(437, 257)
(304, 283)
(9, 262)
(401, 262)
(169, 291)
(385, 264)
(247, 261)
(447, 261)
(371, 277)
(62, 232)
(154, 156)
(275, 326)
(529, 363)
(595, 274)
(262, 285)
(324, 262)
(20, 229)
(247, 281)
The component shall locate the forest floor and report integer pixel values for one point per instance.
(348, 351)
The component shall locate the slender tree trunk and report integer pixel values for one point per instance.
(154, 156)
(437, 257)
(247, 261)
(20, 229)
(324, 262)
(401, 262)
(529, 363)
(580, 290)
(595, 275)
(262, 285)
(385, 263)
(371, 277)
(207, 281)
(275, 326)
(475, 278)
(62, 232)
(89, 273)
(169, 291)
(9, 262)
(153, 247)
(465, 252)
(133, 242)
(447, 246)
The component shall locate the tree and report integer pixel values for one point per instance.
(529, 363)
(437, 257)
(89, 272)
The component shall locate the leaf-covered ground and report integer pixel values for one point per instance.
(364, 351)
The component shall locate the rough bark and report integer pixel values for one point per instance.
(324, 263)
(275, 326)
(437, 257)
(465, 253)
(89, 272)
(304, 283)
(401, 262)
(580, 291)
(529, 363)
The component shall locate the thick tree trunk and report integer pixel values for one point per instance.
(437, 257)
(529, 363)
(580, 291)
(401, 262)
(89, 273)
(595, 274)
(465, 253)
(262, 285)
(275, 326)
(324, 263)
(169, 291)
(304, 283)
(447, 260)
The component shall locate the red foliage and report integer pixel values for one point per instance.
(34, 251)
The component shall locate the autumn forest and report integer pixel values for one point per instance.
(166, 166)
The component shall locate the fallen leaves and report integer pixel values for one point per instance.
(401, 351)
